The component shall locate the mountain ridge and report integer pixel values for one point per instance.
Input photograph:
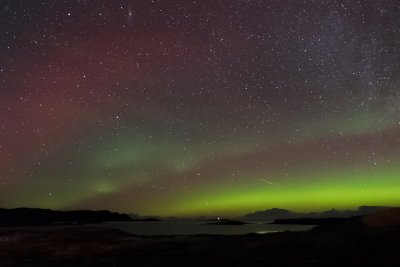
(276, 213)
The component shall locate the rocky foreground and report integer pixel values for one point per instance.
(365, 241)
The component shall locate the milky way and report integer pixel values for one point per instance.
(199, 107)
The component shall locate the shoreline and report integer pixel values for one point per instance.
(349, 242)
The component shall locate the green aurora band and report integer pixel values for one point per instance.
(191, 108)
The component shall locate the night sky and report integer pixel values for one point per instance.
(207, 107)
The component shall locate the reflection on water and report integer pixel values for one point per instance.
(266, 232)
(196, 227)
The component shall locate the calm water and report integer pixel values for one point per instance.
(193, 228)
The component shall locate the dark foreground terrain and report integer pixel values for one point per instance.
(365, 241)
(30, 217)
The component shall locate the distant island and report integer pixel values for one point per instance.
(226, 222)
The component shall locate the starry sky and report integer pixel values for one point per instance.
(211, 107)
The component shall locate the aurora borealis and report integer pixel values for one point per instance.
(188, 108)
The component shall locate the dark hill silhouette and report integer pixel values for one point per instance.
(271, 214)
(274, 214)
(28, 216)
(147, 220)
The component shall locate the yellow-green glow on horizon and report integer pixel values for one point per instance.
(342, 190)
